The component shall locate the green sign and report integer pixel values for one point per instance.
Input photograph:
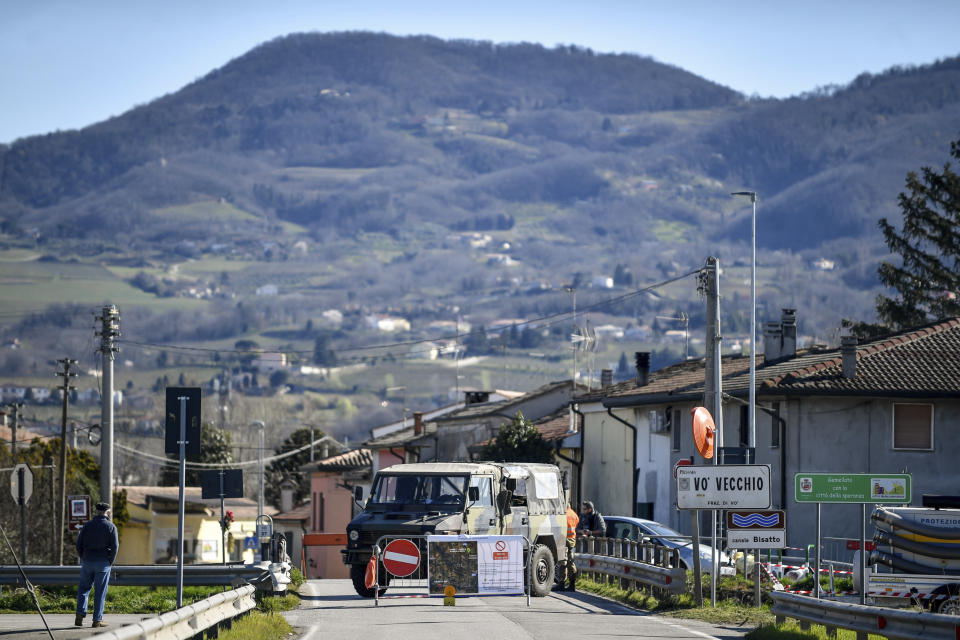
(879, 488)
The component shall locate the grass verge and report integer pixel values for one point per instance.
(119, 599)
(792, 631)
(727, 611)
(258, 626)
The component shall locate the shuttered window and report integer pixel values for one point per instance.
(913, 426)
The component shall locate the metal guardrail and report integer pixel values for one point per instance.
(274, 577)
(188, 621)
(649, 564)
(895, 624)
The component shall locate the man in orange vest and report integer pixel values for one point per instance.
(570, 568)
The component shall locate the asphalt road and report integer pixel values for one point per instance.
(331, 609)
(23, 626)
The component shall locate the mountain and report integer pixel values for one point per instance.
(374, 149)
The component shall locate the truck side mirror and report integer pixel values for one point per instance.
(565, 481)
(473, 493)
(503, 501)
(358, 494)
(511, 484)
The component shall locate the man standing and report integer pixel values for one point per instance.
(97, 547)
(570, 567)
(591, 522)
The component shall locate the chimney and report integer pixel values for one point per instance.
(788, 331)
(417, 423)
(286, 496)
(848, 356)
(642, 359)
(772, 341)
(606, 378)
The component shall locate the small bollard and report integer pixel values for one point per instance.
(448, 596)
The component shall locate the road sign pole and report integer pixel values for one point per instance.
(816, 573)
(180, 509)
(863, 553)
(223, 532)
(23, 515)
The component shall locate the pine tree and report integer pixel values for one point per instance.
(927, 281)
(215, 448)
(290, 468)
(519, 441)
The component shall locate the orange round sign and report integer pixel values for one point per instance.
(704, 431)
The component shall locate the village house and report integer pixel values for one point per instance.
(150, 536)
(890, 405)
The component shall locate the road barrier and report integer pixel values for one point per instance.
(650, 564)
(265, 576)
(895, 624)
(188, 621)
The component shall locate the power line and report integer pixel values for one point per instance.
(214, 465)
(546, 321)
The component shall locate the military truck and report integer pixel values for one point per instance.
(472, 498)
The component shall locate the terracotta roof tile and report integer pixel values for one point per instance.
(922, 361)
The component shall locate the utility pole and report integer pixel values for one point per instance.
(53, 514)
(713, 383)
(66, 374)
(109, 329)
(14, 416)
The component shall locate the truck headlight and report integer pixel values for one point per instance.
(354, 535)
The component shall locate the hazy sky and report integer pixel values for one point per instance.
(69, 63)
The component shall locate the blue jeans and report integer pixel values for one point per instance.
(96, 574)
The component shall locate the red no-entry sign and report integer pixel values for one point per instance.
(401, 558)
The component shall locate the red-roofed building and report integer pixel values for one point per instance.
(331, 506)
(891, 405)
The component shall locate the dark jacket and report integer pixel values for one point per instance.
(98, 540)
(592, 522)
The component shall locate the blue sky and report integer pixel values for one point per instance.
(68, 64)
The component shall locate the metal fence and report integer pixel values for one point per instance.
(895, 624)
(631, 561)
(270, 577)
(188, 621)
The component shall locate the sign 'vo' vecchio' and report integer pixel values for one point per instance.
(735, 486)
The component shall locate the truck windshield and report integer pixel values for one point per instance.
(420, 489)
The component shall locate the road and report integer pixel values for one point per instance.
(331, 609)
(24, 626)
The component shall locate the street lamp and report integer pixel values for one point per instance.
(751, 435)
(259, 425)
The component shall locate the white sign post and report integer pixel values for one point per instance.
(21, 488)
(732, 486)
(21, 475)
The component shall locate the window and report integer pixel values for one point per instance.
(913, 426)
(484, 485)
(676, 430)
(775, 426)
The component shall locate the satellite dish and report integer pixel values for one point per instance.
(704, 431)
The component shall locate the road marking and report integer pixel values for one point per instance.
(312, 630)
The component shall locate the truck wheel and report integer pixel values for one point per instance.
(950, 607)
(543, 570)
(358, 575)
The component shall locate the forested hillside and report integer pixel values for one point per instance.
(360, 160)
